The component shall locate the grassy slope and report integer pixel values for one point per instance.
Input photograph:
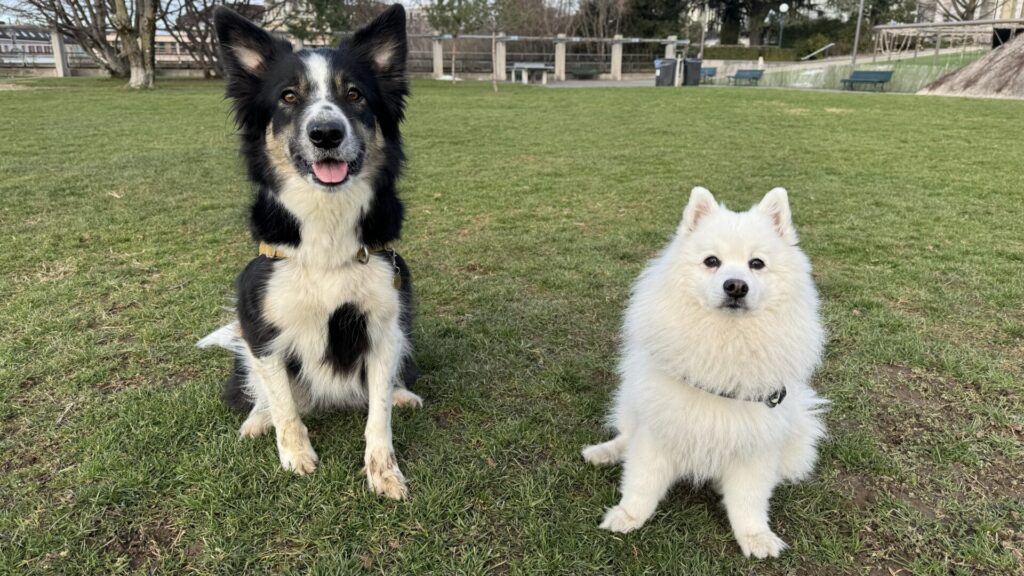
(530, 213)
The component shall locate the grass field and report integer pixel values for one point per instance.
(530, 213)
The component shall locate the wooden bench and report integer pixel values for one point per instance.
(750, 77)
(707, 74)
(876, 78)
(526, 67)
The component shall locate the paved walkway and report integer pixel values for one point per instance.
(602, 83)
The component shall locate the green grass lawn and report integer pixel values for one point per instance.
(530, 213)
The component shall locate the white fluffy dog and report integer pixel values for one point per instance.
(721, 338)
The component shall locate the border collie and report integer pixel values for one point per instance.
(324, 312)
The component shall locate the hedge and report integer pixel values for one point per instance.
(770, 53)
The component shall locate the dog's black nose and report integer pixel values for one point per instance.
(327, 134)
(735, 288)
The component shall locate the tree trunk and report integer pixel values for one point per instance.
(758, 12)
(730, 14)
(140, 59)
(494, 60)
(455, 48)
(147, 40)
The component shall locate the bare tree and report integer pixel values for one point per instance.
(190, 22)
(128, 51)
(964, 10)
(136, 31)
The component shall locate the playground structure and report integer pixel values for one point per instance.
(943, 37)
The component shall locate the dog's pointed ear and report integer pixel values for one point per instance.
(701, 205)
(245, 48)
(775, 205)
(383, 42)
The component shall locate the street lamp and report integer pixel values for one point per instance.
(783, 8)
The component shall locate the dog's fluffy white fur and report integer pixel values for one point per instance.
(684, 346)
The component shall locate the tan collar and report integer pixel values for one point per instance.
(362, 256)
(270, 251)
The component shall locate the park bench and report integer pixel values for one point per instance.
(876, 78)
(751, 77)
(585, 72)
(707, 74)
(526, 67)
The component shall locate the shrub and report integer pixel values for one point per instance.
(770, 53)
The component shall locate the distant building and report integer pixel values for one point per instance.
(28, 45)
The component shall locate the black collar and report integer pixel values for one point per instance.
(770, 400)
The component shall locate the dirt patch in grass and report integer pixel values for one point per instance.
(145, 545)
(12, 87)
(119, 383)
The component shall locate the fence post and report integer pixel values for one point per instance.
(617, 57)
(670, 48)
(500, 57)
(60, 56)
(560, 58)
(438, 54)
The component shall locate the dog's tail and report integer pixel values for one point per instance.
(228, 336)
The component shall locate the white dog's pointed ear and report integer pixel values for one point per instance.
(701, 205)
(775, 205)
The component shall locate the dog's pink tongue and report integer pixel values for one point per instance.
(330, 171)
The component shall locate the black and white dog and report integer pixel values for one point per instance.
(324, 313)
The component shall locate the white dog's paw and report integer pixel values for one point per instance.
(254, 426)
(383, 475)
(295, 451)
(618, 520)
(761, 545)
(403, 398)
(601, 454)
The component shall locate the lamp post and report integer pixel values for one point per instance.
(856, 36)
(783, 8)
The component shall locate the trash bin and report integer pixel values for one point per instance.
(691, 72)
(665, 72)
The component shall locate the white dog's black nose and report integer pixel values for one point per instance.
(735, 288)
(326, 134)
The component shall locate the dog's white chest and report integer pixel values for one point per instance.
(300, 302)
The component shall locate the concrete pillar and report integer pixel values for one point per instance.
(438, 59)
(670, 48)
(560, 58)
(617, 58)
(500, 57)
(60, 55)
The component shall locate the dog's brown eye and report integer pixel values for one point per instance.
(756, 264)
(289, 97)
(354, 95)
(712, 262)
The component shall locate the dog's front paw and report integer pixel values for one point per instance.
(254, 426)
(618, 520)
(601, 454)
(295, 451)
(383, 475)
(403, 398)
(761, 545)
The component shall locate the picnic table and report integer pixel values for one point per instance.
(526, 67)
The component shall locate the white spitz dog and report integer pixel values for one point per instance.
(721, 338)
